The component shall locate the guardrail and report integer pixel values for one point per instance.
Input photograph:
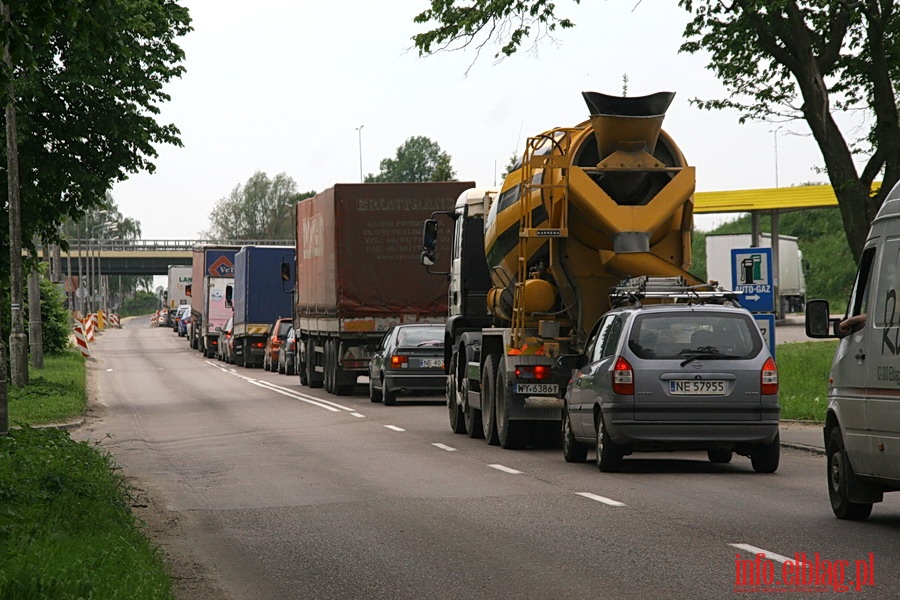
(163, 245)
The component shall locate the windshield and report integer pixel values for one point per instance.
(684, 335)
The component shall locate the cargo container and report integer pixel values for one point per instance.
(260, 296)
(358, 273)
(180, 277)
(212, 272)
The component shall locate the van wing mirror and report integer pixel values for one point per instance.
(819, 323)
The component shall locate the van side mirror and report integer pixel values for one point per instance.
(571, 361)
(819, 323)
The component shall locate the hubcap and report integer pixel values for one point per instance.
(836, 471)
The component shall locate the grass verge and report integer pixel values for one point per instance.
(803, 370)
(55, 394)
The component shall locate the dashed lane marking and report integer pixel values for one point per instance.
(394, 428)
(602, 499)
(754, 551)
(444, 447)
(505, 469)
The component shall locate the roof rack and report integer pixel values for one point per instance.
(633, 290)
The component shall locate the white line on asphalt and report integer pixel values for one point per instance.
(602, 499)
(292, 395)
(505, 469)
(754, 551)
(395, 428)
(358, 415)
(275, 386)
(444, 447)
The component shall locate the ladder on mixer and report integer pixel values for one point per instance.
(554, 166)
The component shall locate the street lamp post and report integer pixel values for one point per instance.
(359, 132)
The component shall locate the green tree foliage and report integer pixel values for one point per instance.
(89, 77)
(54, 318)
(419, 159)
(143, 303)
(778, 60)
(261, 209)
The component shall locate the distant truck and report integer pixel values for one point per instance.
(180, 277)
(213, 271)
(259, 297)
(791, 277)
(358, 273)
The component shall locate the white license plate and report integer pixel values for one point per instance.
(697, 387)
(537, 388)
(431, 363)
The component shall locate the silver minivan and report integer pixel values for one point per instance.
(862, 425)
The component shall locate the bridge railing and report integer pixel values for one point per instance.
(163, 245)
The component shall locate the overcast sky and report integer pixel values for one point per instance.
(278, 86)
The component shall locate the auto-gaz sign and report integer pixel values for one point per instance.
(751, 274)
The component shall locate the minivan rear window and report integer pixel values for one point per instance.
(681, 334)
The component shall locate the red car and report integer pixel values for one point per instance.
(277, 333)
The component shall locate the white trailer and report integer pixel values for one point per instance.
(790, 279)
(180, 277)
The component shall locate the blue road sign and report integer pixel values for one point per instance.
(766, 324)
(751, 273)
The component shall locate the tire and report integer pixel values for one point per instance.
(609, 455)
(329, 366)
(288, 367)
(374, 395)
(312, 377)
(280, 368)
(719, 456)
(511, 434)
(840, 471)
(488, 416)
(471, 416)
(454, 407)
(573, 450)
(765, 457)
(301, 371)
(390, 396)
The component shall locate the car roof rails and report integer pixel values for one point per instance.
(633, 290)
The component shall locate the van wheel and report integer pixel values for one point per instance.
(839, 473)
(719, 456)
(609, 455)
(573, 451)
(764, 457)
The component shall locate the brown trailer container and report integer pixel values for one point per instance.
(359, 272)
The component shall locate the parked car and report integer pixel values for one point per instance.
(182, 312)
(286, 354)
(225, 349)
(409, 360)
(669, 377)
(277, 332)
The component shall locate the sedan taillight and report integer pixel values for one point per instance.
(623, 378)
(769, 378)
(399, 361)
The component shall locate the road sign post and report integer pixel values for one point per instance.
(751, 274)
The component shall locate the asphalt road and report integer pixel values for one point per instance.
(287, 492)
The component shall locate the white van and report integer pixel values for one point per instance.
(862, 427)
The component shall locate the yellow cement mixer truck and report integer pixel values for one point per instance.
(533, 262)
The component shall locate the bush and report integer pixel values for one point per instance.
(143, 303)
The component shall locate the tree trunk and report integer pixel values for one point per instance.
(35, 331)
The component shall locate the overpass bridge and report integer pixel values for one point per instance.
(139, 257)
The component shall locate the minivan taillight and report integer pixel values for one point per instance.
(769, 378)
(623, 378)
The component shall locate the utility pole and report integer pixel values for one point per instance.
(359, 131)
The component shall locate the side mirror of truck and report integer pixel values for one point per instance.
(427, 258)
(285, 271)
(819, 323)
(430, 236)
(229, 296)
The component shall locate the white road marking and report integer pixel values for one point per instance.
(602, 499)
(355, 414)
(292, 395)
(754, 551)
(394, 428)
(444, 447)
(505, 469)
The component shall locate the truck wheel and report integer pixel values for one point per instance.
(840, 472)
(573, 450)
(454, 406)
(609, 455)
(719, 456)
(329, 366)
(472, 416)
(764, 457)
(488, 416)
(511, 434)
(301, 370)
(312, 377)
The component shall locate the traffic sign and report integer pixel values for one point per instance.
(751, 274)
(766, 324)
